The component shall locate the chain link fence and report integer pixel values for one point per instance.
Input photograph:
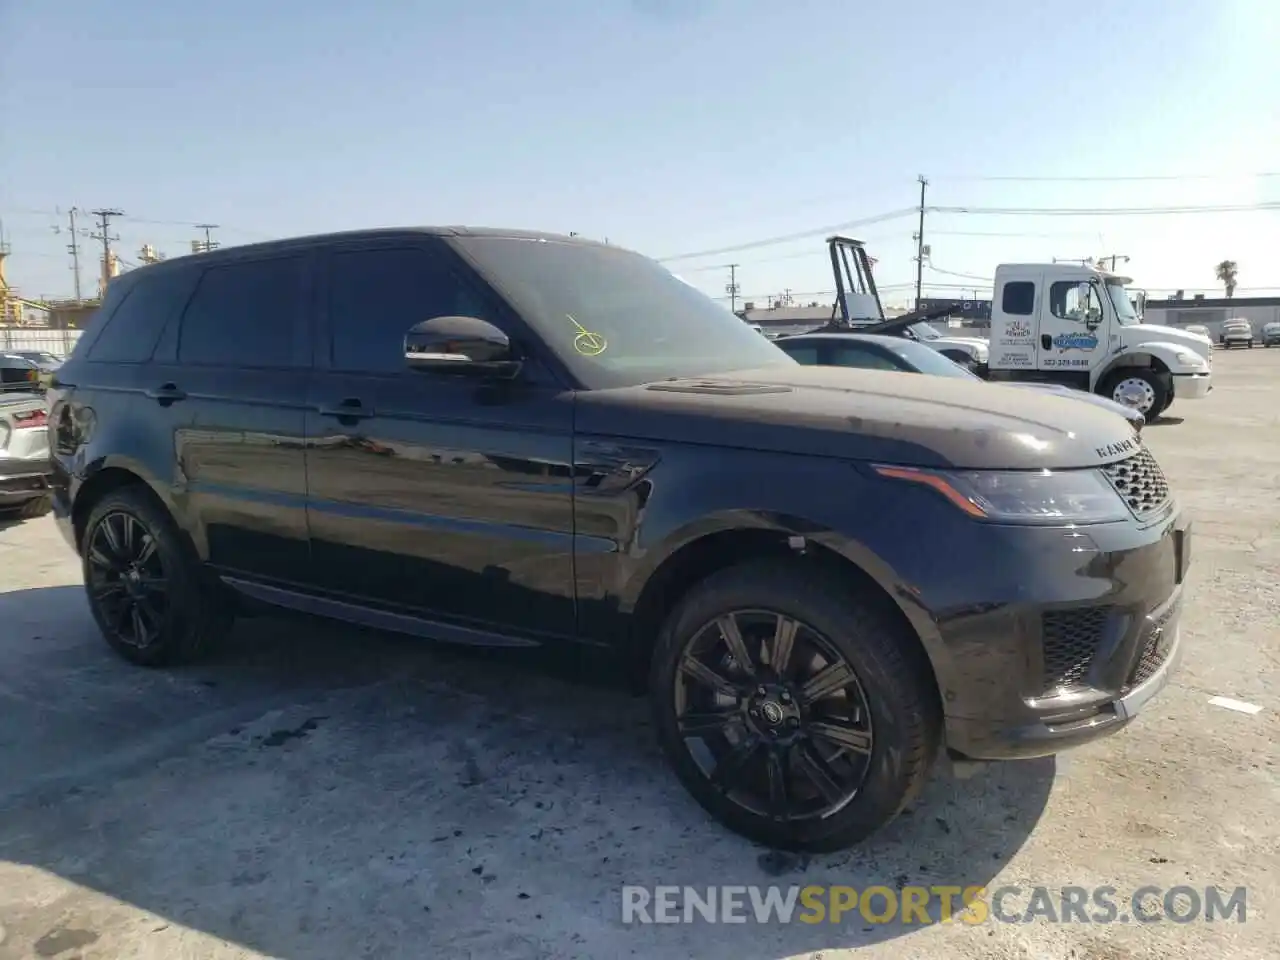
(57, 342)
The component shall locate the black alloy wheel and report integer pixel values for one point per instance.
(794, 703)
(773, 715)
(151, 597)
(126, 579)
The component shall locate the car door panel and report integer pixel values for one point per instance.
(239, 416)
(440, 495)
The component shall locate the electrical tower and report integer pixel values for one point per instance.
(208, 244)
(921, 250)
(732, 288)
(104, 227)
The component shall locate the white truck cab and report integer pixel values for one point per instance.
(1076, 325)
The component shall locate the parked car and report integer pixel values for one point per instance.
(18, 373)
(1270, 334)
(1236, 333)
(493, 437)
(24, 455)
(1201, 330)
(41, 358)
(874, 352)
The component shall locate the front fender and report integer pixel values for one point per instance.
(697, 493)
(1166, 353)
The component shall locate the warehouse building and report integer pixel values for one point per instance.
(1211, 312)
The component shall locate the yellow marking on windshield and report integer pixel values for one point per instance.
(587, 343)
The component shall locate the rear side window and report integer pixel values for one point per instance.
(848, 355)
(246, 314)
(1019, 298)
(130, 333)
(806, 353)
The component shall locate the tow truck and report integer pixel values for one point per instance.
(1050, 323)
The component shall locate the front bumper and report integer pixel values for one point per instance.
(1192, 386)
(23, 479)
(1040, 638)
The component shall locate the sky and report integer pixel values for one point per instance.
(667, 126)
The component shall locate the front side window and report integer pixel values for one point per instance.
(245, 314)
(614, 317)
(1075, 301)
(376, 296)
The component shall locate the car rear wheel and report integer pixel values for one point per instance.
(147, 591)
(797, 713)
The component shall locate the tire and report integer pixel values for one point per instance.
(891, 684)
(1123, 382)
(187, 612)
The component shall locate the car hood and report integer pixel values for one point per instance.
(961, 341)
(1175, 335)
(867, 415)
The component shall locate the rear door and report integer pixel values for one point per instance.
(439, 496)
(233, 374)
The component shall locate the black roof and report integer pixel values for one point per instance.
(379, 233)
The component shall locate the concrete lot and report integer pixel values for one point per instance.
(318, 792)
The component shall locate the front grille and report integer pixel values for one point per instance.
(1141, 482)
(1155, 650)
(1069, 639)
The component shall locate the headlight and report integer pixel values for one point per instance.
(1021, 496)
(1189, 359)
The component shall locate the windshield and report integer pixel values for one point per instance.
(616, 318)
(924, 331)
(1126, 316)
(930, 361)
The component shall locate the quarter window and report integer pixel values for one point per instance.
(131, 332)
(847, 355)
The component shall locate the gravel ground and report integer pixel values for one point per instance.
(319, 792)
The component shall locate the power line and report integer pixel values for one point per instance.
(1108, 211)
(802, 235)
(1116, 179)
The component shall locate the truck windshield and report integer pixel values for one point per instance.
(1125, 314)
(924, 331)
(614, 317)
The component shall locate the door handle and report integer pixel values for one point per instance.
(1046, 342)
(166, 394)
(349, 409)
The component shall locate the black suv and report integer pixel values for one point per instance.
(496, 437)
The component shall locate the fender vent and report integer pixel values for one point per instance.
(719, 388)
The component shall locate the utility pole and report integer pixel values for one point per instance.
(104, 226)
(73, 248)
(731, 288)
(919, 238)
(208, 239)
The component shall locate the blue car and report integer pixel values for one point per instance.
(875, 352)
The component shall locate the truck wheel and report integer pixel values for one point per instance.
(1139, 388)
(798, 713)
(147, 591)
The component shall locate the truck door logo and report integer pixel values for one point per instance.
(1075, 341)
(1016, 333)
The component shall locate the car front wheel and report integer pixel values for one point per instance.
(797, 712)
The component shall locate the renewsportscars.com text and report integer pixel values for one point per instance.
(935, 904)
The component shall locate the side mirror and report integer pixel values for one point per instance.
(460, 345)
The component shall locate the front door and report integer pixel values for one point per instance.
(1070, 341)
(433, 495)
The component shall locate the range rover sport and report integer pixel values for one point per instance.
(497, 437)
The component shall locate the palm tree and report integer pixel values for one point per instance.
(1226, 272)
